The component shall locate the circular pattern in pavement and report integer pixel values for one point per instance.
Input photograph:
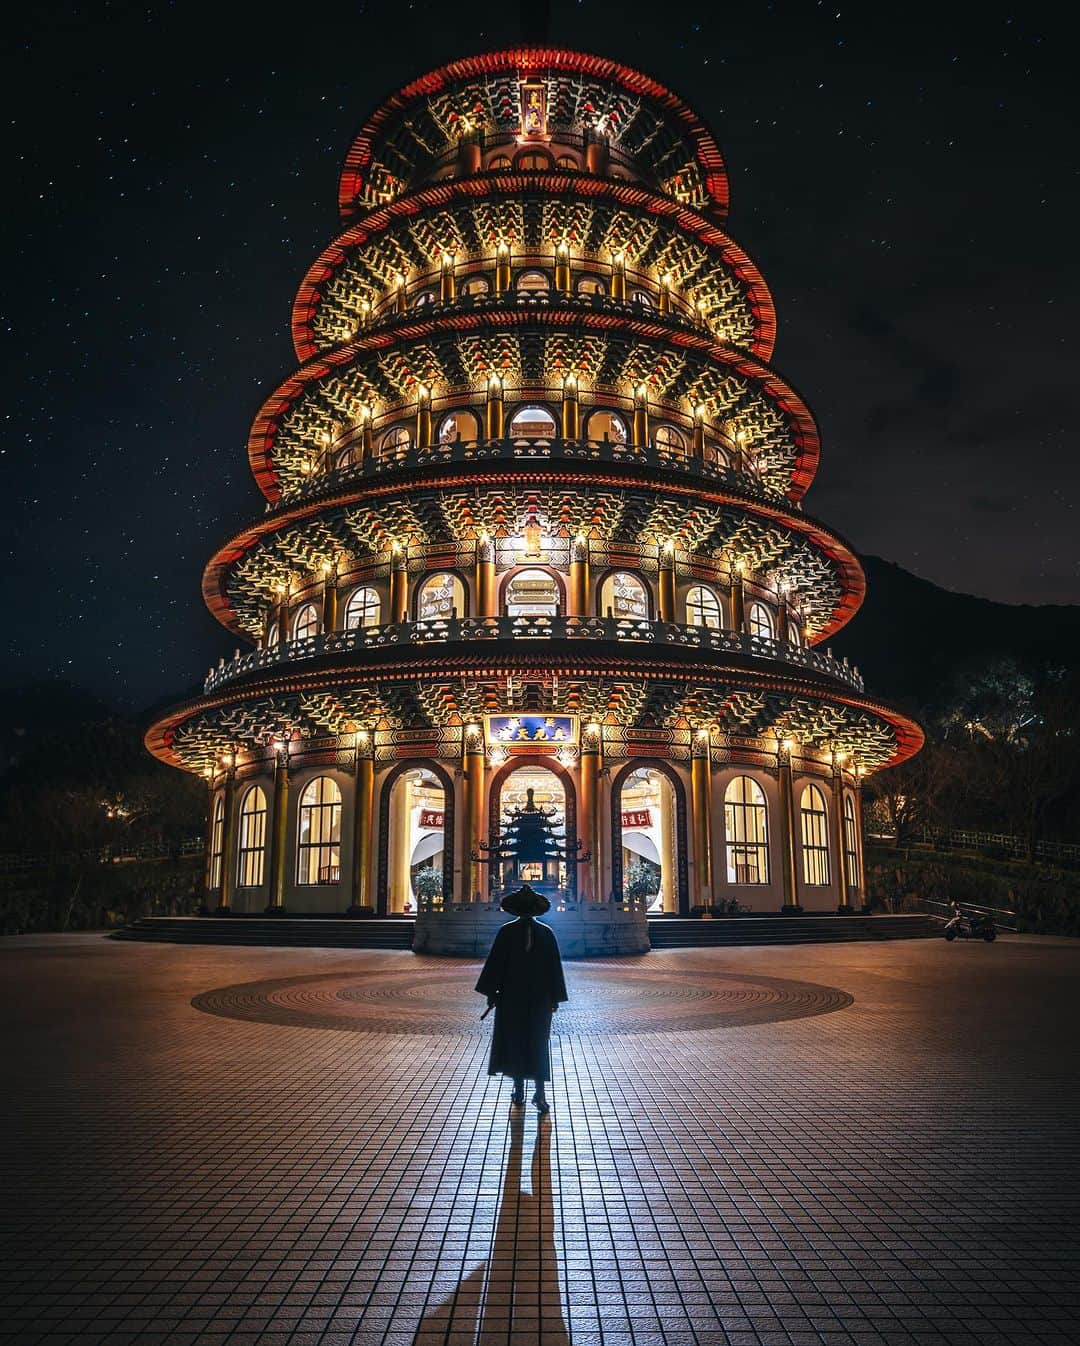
(436, 998)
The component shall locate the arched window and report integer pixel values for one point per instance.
(273, 635)
(533, 423)
(423, 298)
(217, 844)
(306, 622)
(760, 621)
(533, 282)
(318, 833)
(815, 837)
(590, 285)
(670, 441)
(796, 634)
(851, 842)
(624, 595)
(703, 608)
(441, 597)
(746, 824)
(715, 454)
(532, 593)
(458, 425)
(499, 163)
(642, 298)
(566, 161)
(533, 161)
(476, 286)
(395, 442)
(362, 609)
(606, 427)
(251, 853)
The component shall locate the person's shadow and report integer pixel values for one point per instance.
(518, 1289)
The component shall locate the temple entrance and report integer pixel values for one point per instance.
(416, 858)
(532, 833)
(649, 834)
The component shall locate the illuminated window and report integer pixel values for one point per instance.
(670, 440)
(608, 427)
(423, 299)
(815, 837)
(306, 623)
(642, 298)
(760, 621)
(318, 834)
(590, 285)
(217, 843)
(251, 855)
(533, 423)
(395, 442)
(532, 593)
(476, 286)
(533, 282)
(851, 842)
(746, 824)
(362, 609)
(533, 161)
(499, 163)
(441, 597)
(567, 161)
(458, 425)
(625, 596)
(703, 608)
(272, 636)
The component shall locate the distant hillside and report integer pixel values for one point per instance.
(911, 638)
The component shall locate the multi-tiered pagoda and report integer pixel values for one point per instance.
(533, 537)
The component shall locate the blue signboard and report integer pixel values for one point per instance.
(517, 732)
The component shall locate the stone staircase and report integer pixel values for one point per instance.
(665, 932)
(673, 932)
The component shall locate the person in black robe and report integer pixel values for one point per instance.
(523, 982)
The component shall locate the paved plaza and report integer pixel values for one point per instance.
(847, 1144)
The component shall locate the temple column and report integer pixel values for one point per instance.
(330, 603)
(473, 767)
(665, 294)
(787, 829)
(701, 800)
(486, 588)
(399, 584)
(502, 273)
(363, 820)
(843, 897)
(698, 439)
(400, 869)
(618, 278)
(493, 411)
(589, 810)
(783, 620)
(860, 862)
(228, 840)
(423, 418)
(666, 584)
(278, 827)
(571, 409)
(447, 280)
(562, 268)
(737, 602)
(639, 435)
(669, 898)
(577, 593)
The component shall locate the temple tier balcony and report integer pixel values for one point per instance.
(461, 630)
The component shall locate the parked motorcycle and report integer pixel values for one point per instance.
(970, 925)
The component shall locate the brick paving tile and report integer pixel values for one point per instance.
(848, 1145)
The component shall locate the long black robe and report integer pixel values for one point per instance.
(526, 984)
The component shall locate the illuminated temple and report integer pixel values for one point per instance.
(533, 596)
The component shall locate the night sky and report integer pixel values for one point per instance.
(905, 177)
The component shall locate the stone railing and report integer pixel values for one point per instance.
(332, 477)
(461, 630)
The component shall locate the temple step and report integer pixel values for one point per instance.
(668, 932)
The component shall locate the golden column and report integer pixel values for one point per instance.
(228, 836)
(666, 584)
(640, 432)
(486, 591)
(278, 828)
(578, 589)
(493, 411)
(423, 417)
(502, 268)
(447, 280)
(330, 600)
(787, 827)
(844, 903)
(363, 819)
(618, 278)
(592, 745)
(698, 443)
(562, 268)
(472, 766)
(367, 434)
(665, 293)
(701, 801)
(669, 897)
(399, 583)
(400, 297)
(571, 409)
(783, 617)
(737, 599)
(860, 856)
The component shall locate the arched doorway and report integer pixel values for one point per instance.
(533, 814)
(648, 837)
(416, 838)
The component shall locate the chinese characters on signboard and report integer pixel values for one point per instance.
(637, 818)
(431, 817)
(533, 118)
(529, 732)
